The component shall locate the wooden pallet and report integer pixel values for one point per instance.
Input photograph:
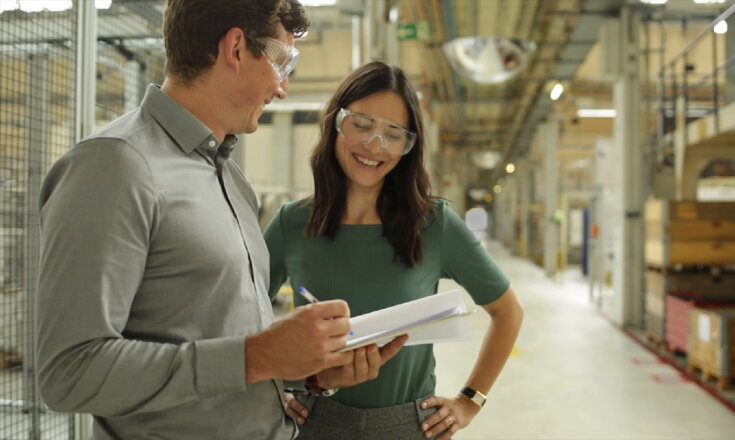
(657, 340)
(708, 374)
(715, 270)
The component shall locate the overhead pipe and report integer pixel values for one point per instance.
(577, 46)
(451, 26)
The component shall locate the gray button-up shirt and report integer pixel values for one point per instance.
(146, 290)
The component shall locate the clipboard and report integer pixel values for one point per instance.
(435, 318)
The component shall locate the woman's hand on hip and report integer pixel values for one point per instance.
(295, 409)
(452, 414)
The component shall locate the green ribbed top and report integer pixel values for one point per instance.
(359, 267)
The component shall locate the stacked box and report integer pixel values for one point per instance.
(712, 342)
(702, 287)
(678, 322)
(689, 233)
(655, 306)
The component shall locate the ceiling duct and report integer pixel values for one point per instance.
(574, 51)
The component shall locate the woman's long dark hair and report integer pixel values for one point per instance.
(405, 199)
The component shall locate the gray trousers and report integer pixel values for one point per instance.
(330, 420)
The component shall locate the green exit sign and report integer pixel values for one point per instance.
(414, 31)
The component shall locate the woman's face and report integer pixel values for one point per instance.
(367, 164)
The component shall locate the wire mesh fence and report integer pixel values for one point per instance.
(37, 60)
(38, 116)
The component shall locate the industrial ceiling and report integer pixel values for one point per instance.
(471, 117)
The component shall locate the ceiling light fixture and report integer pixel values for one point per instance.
(486, 160)
(654, 2)
(556, 91)
(720, 27)
(596, 113)
(48, 5)
(704, 2)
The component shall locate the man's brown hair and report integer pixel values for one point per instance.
(192, 29)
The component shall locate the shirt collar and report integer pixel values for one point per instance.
(185, 129)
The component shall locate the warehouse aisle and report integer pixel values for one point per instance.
(573, 375)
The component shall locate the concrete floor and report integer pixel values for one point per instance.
(574, 375)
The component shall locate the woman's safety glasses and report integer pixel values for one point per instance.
(358, 128)
(282, 57)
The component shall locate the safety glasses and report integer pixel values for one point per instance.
(283, 58)
(359, 128)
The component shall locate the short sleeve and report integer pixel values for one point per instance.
(465, 260)
(274, 240)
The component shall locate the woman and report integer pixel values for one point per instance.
(374, 236)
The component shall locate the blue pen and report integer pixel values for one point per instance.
(306, 294)
(312, 300)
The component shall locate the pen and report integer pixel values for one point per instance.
(312, 299)
(306, 294)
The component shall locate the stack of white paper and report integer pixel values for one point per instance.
(426, 320)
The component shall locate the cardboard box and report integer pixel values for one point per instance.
(712, 342)
(689, 233)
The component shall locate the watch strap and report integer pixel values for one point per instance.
(312, 384)
(475, 396)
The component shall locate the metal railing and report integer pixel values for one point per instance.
(685, 94)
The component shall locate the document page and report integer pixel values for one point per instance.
(435, 318)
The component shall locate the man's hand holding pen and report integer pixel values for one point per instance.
(365, 365)
(306, 342)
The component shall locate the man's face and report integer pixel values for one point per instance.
(260, 83)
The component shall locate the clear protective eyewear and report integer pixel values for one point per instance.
(283, 57)
(361, 128)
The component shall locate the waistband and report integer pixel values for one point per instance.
(385, 416)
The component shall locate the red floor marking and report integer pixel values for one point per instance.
(710, 389)
(654, 361)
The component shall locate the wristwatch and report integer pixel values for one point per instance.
(475, 396)
(312, 384)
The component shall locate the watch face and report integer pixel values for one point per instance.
(474, 396)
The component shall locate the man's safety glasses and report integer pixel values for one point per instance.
(282, 57)
(360, 128)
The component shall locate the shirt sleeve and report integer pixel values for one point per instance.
(99, 213)
(273, 235)
(465, 259)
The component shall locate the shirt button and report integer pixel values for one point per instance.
(212, 143)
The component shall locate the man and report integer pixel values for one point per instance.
(152, 309)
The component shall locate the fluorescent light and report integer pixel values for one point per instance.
(596, 113)
(556, 91)
(654, 2)
(510, 168)
(40, 5)
(318, 2)
(7, 5)
(48, 5)
(720, 27)
(704, 2)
